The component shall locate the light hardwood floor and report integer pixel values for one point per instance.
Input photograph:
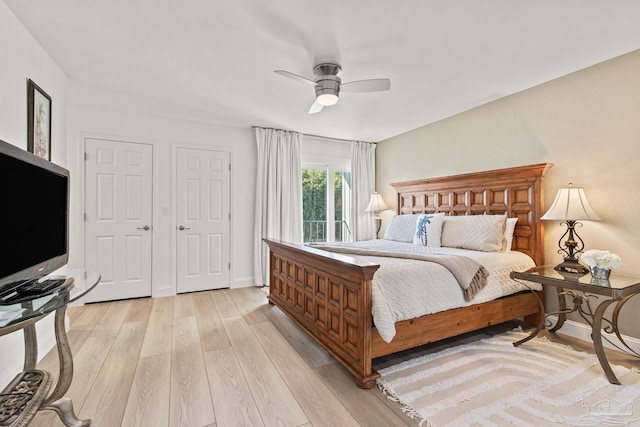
(220, 358)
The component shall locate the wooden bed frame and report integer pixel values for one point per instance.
(329, 294)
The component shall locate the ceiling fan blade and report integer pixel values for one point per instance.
(371, 85)
(316, 107)
(295, 77)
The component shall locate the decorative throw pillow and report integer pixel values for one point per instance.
(401, 228)
(476, 232)
(428, 230)
(509, 228)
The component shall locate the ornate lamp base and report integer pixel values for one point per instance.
(571, 265)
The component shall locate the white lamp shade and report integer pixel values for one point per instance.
(571, 204)
(376, 204)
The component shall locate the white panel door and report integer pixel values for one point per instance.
(202, 219)
(118, 218)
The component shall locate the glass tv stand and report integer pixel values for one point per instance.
(30, 391)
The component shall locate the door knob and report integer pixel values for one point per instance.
(184, 228)
(145, 228)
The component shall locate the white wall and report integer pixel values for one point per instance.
(94, 113)
(22, 59)
(326, 151)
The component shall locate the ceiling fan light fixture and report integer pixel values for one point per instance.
(327, 90)
(327, 99)
(327, 85)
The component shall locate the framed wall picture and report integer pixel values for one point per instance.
(38, 121)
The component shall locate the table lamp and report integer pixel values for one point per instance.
(376, 205)
(571, 206)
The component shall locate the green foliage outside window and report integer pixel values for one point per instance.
(314, 205)
(314, 195)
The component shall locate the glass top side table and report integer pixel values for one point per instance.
(29, 390)
(617, 289)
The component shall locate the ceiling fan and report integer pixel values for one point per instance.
(328, 85)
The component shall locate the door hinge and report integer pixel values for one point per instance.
(86, 156)
(229, 216)
(86, 217)
(229, 266)
(229, 166)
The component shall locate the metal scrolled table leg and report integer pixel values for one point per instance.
(55, 401)
(614, 321)
(596, 337)
(30, 347)
(30, 342)
(562, 310)
(538, 328)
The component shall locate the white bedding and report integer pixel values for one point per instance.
(406, 288)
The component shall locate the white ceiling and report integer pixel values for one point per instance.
(213, 60)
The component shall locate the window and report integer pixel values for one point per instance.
(326, 203)
(326, 189)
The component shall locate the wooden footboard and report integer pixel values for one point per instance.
(329, 296)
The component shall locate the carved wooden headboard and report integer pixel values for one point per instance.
(515, 192)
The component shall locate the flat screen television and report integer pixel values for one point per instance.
(34, 216)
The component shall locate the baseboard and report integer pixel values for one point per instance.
(243, 282)
(582, 331)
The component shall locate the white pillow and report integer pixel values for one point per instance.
(428, 230)
(509, 228)
(476, 232)
(401, 228)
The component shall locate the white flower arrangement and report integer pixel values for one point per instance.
(601, 259)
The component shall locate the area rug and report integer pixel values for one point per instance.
(492, 383)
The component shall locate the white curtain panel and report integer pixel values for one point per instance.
(363, 184)
(278, 194)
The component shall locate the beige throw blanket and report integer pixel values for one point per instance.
(470, 275)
